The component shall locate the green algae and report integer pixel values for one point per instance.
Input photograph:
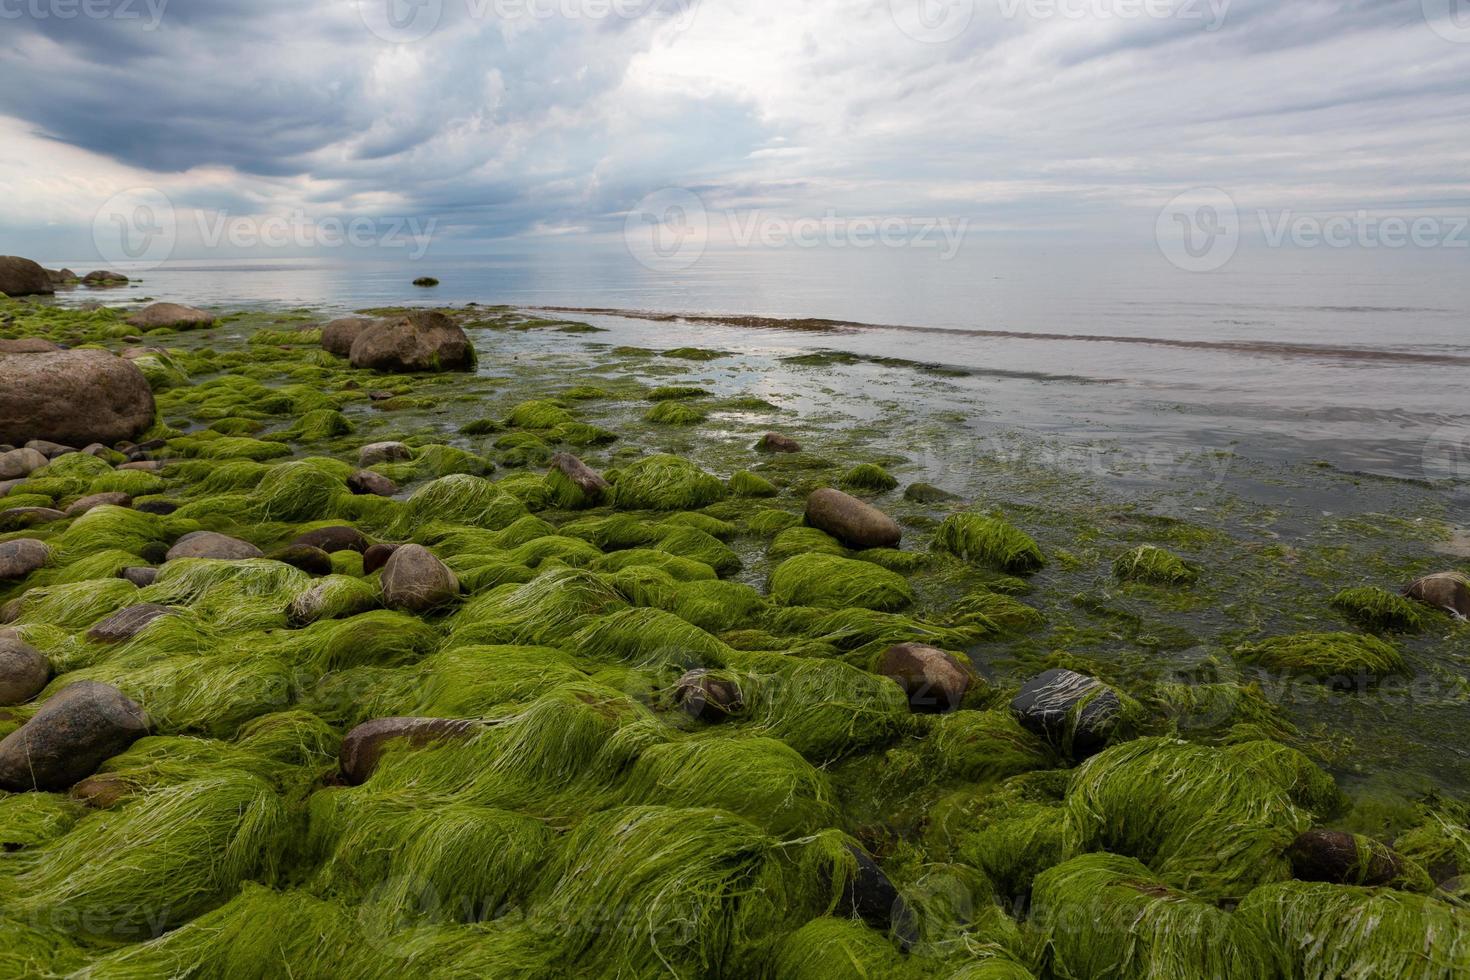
(833, 582)
(1325, 655)
(1372, 608)
(663, 482)
(675, 413)
(991, 541)
(867, 477)
(1147, 563)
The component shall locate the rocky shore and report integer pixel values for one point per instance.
(456, 643)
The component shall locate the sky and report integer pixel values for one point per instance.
(483, 124)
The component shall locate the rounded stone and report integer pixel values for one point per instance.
(366, 483)
(415, 581)
(21, 556)
(934, 681)
(334, 539)
(209, 544)
(414, 342)
(851, 521)
(337, 336)
(20, 463)
(312, 561)
(73, 733)
(23, 670)
(376, 557)
(775, 442)
(110, 499)
(73, 396)
(363, 747)
(382, 452)
(174, 315)
(127, 623)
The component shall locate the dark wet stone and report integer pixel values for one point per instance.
(363, 747)
(1075, 713)
(708, 697)
(367, 483)
(871, 896)
(1343, 859)
(73, 733)
(924, 493)
(334, 539)
(934, 681)
(157, 507)
(313, 561)
(775, 442)
(23, 277)
(140, 575)
(376, 557)
(209, 544)
(127, 623)
(24, 670)
(415, 581)
(851, 521)
(20, 557)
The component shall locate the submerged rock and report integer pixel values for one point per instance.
(926, 493)
(337, 336)
(127, 623)
(20, 463)
(174, 315)
(1449, 591)
(211, 544)
(871, 896)
(376, 557)
(708, 697)
(424, 341)
(112, 499)
(415, 581)
(775, 442)
(104, 277)
(24, 670)
(934, 681)
(334, 539)
(382, 452)
(73, 733)
(20, 557)
(366, 483)
(73, 396)
(1075, 713)
(851, 521)
(22, 277)
(1343, 858)
(363, 747)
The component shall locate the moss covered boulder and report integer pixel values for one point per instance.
(831, 582)
(364, 746)
(1336, 658)
(75, 731)
(412, 343)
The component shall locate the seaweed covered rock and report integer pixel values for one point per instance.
(1106, 915)
(1449, 591)
(26, 345)
(831, 582)
(413, 342)
(211, 544)
(364, 746)
(708, 696)
(1339, 659)
(339, 335)
(932, 680)
(1372, 608)
(416, 581)
(172, 316)
(850, 520)
(574, 484)
(311, 560)
(927, 493)
(775, 442)
(869, 894)
(20, 463)
(127, 623)
(23, 277)
(1076, 714)
(1321, 931)
(663, 482)
(73, 396)
(20, 557)
(868, 476)
(1148, 563)
(991, 541)
(23, 670)
(74, 732)
(1344, 859)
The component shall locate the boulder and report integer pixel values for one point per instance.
(209, 544)
(363, 747)
(851, 521)
(73, 733)
(334, 539)
(111, 499)
(376, 557)
(127, 623)
(1075, 713)
(49, 449)
(425, 341)
(415, 581)
(337, 336)
(140, 575)
(102, 277)
(22, 277)
(73, 396)
(1449, 591)
(61, 277)
(144, 465)
(366, 483)
(27, 345)
(174, 315)
(312, 561)
(17, 518)
(20, 463)
(869, 895)
(708, 697)
(775, 442)
(382, 452)
(926, 493)
(587, 480)
(935, 682)
(1343, 859)
(20, 557)
(24, 671)
(426, 281)
(102, 791)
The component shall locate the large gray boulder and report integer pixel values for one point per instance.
(75, 731)
(415, 581)
(851, 521)
(74, 397)
(23, 670)
(20, 463)
(21, 556)
(174, 315)
(22, 277)
(211, 544)
(337, 336)
(424, 341)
